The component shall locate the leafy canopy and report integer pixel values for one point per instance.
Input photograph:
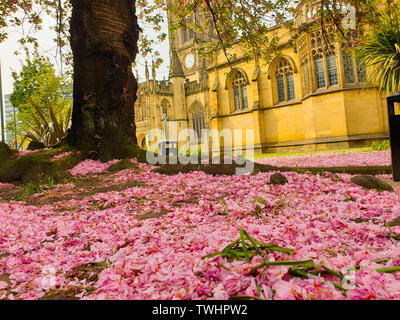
(38, 93)
(249, 24)
(27, 17)
(381, 52)
(227, 22)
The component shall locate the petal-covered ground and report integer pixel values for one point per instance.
(331, 159)
(135, 234)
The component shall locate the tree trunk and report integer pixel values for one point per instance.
(104, 36)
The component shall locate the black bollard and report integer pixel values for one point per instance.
(393, 103)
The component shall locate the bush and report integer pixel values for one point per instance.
(32, 188)
(5, 151)
(36, 145)
(193, 150)
(380, 145)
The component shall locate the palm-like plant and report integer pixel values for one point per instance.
(380, 52)
(49, 127)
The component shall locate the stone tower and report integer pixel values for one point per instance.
(183, 98)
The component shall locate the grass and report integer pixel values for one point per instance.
(367, 170)
(32, 188)
(282, 154)
(373, 147)
(299, 153)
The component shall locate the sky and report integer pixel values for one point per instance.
(10, 62)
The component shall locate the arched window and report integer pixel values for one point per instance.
(332, 70)
(320, 72)
(239, 91)
(285, 81)
(188, 34)
(325, 62)
(198, 119)
(165, 107)
(354, 71)
(142, 113)
(348, 67)
(361, 71)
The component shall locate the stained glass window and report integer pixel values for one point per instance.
(285, 81)
(290, 86)
(198, 121)
(239, 92)
(361, 72)
(332, 70)
(280, 82)
(320, 72)
(244, 97)
(348, 68)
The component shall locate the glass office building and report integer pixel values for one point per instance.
(8, 114)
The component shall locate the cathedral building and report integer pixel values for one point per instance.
(311, 96)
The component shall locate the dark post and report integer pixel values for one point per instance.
(394, 132)
(3, 134)
(15, 128)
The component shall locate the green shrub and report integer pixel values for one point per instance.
(380, 145)
(193, 150)
(49, 184)
(30, 189)
(5, 151)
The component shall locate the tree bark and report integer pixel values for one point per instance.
(104, 35)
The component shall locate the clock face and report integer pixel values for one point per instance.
(189, 61)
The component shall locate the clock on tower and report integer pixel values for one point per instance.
(189, 61)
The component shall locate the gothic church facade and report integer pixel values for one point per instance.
(312, 96)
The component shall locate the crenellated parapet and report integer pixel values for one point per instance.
(163, 87)
(193, 87)
(306, 13)
(309, 11)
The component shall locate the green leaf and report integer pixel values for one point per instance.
(304, 263)
(261, 200)
(252, 240)
(333, 272)
(87, 288)
(338, 286)
(244, 245)
(388, 270)
(331, 252)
